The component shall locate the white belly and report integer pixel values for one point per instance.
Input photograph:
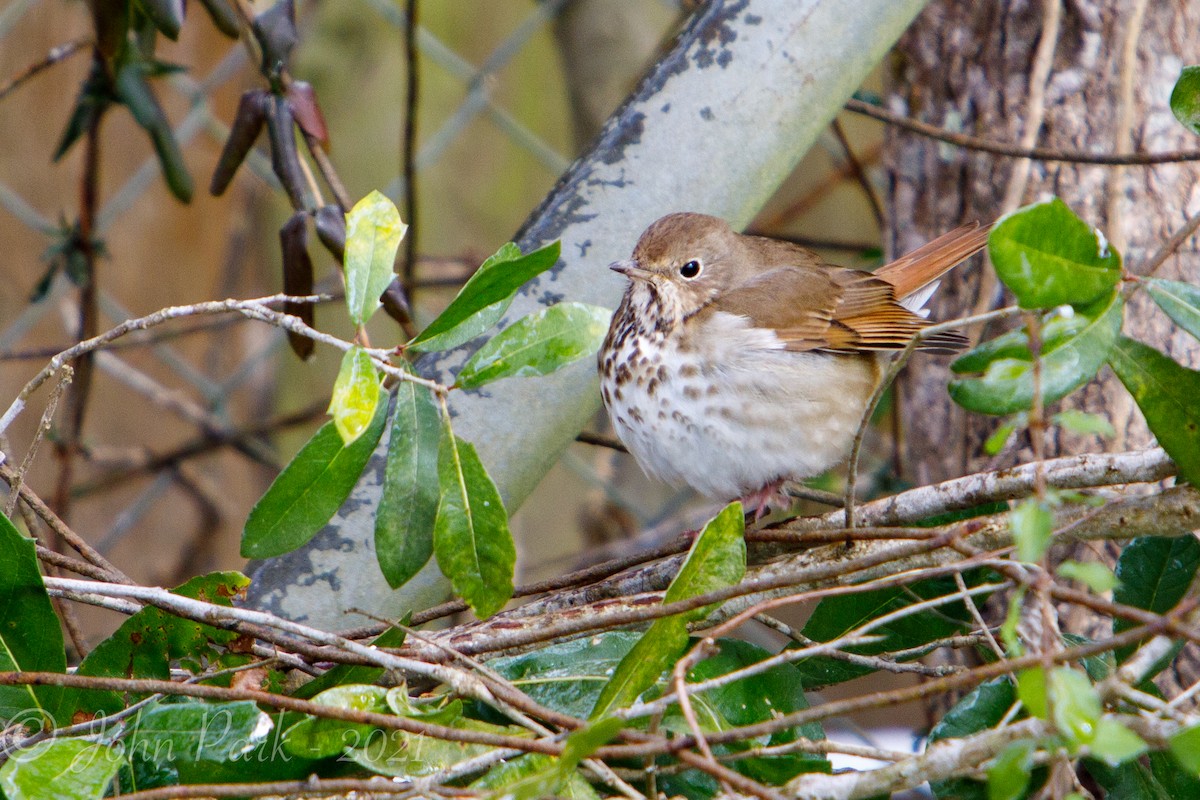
(762, 415)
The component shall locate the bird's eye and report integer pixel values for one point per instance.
(690, 270)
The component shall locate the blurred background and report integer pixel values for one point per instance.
(185, 428)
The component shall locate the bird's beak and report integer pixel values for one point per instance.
(630, 270)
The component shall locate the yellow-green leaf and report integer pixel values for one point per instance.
(373, 234)
(355, 395)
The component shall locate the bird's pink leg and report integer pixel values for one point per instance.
(760, 501)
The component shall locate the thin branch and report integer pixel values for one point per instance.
(1016, 151)
(57, 54)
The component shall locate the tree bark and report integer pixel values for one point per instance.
(974, 68)
(967, 67)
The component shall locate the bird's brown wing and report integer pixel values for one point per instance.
(831, 309)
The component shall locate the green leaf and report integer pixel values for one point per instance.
(1115, 743)
(1185, 747)
(531, 777)
(1031, 689)
(1154, 574)
(493, 284)
(836, 616)
(1009, 774)
(355, 395)
(76, 769)
(309, 490)
(1012, 619)
(133, 90)
(568, 676)
(146, 643)
(1129, 781)
(1082, 422)
(195, 731)
(717, 559)
(373, 234)
(1075, 705)
(995, 443)
(1178, 780)
(537, 344)
(1180, 301)
(1074, 349)
(1185, 99)
(983, 707)
(1032, 526)
(344, 674)
(404, 754)
(584, 741)
(471, 538)
(166, 15)
(1168, 395)
(408, 508)
(1049, 257)
(1091, 574)
(320, 737)
(758, 698)
(30, 635)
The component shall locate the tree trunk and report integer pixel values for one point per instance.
(980, 68)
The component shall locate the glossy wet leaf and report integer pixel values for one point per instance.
(1168, 394)
(1074, 350)
(408, 507)
(751, 700)
(1032, 525)
(196, 731)
(1049, 257)
(532, 777)
(309, 490)
(471, 538)
(404, 754)
(373, 233)
(538, 343)
(717, 559)
(1154, 573)
(1180, 301)
(1185, 99)
(320, 737)
(65, 769)
(568, 676)
(30, 635)
(355, 395)
(487, 294)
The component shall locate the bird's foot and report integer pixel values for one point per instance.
(758, 503)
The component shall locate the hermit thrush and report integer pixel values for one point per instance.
(735, 363)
